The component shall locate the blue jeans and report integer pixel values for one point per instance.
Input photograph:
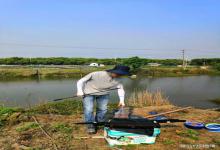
(101, 107)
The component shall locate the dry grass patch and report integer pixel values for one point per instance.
(146, 98)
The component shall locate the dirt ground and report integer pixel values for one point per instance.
(67, 136)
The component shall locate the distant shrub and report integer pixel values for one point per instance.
(217, 67)
(134, 62)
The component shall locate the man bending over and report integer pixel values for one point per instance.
(96, 87)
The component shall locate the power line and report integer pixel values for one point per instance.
(75, 47)
(95, 47)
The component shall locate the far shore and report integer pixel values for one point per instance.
(70, 71)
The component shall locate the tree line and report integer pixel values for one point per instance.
(206, 61)
(214, 62)
(85, 61)
(134, 61)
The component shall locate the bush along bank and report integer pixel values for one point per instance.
(79, 71)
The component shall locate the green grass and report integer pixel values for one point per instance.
(176, 71)
(46, 72)
(27, 126)
(192, 134)
(6, 112)
(168, 142)
(65, 107)
(1, 123)
(61, 127)
(127, 147)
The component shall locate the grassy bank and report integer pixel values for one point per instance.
(216, 101)
(23, 72)
(22, 128)
(177, 71)
(45, 72)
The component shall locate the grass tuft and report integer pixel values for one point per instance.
(66, 107)
(146, 98)
(61, 127)
(168, 142)
(192, 134)
(27, 126)
(6, 112)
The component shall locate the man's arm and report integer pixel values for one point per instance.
(81, 83)
(121, 94)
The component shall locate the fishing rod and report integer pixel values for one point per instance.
(131, 123)
(139, 126)
(59, 99)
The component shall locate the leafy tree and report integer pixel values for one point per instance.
(134, 62)
(207, 61)
(217, 67)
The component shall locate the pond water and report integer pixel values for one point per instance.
(183, 91)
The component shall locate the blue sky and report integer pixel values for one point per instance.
(110, 28)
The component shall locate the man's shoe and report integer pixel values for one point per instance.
(91, 129)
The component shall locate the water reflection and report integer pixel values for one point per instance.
(183, 91)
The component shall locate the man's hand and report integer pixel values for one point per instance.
(121, 104)
(80, 94)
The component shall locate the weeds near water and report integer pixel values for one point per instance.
(27, 126)
(6, 112)
(66, 107)
(146, 98)
(216, 101)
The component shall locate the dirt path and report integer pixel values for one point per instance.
(25, 135)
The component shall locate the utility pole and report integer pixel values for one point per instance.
(115, 60)
(204, 64)
(183, 57)
(30, 61)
